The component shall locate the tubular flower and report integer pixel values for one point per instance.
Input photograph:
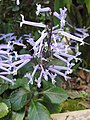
(31, 23)
(40, 10)
(61, 16)
(17, 2)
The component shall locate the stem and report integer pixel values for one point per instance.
(51, 25)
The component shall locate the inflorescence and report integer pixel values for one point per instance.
(11, 61)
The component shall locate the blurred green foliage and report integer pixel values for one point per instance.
(78, 11)
(10, 16)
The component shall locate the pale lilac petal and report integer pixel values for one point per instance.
(40, 10)
(19, 44)
(29, 76)
(56, 15)
(59, 73)
(61, 58)
(35, 69)
(25, 56)
(17, 2)
(23, 64)
(56, 71)
(45, 73)
(43, 35)
(5, 57)
(68, 35)
(39, 80)
(5, 73)
(59, 67)
(3, 52)
(6, 35)
(31, 23)
(7, 79)
(3, 68)
(53, 76)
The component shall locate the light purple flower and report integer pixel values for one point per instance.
(40, 10)
(7, 79)
(61, 58)
(59, 73)
(52, 76)
(43, 35)
(30, 76)
(17, 2)
(45, 73)
(31, 23)
(61, 16)
(68, 35)
(4, 36)
(81, 32)
(39, 80)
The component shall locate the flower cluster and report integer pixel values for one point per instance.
(10, 61)
(60, 50)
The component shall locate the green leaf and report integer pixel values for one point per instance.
(68, 4)
(80, 1)
(20, 83)
(7, 102)
(56, 94)
(61, 3)
(75, 16)
(53, 108)
(37, 111)
(15, 9)
(28, 67)
(18, 115)
(3, 87)
(18, 99)
(88, 5)
(76, 66)
(56, 8)
(17, 84)
(3, 110)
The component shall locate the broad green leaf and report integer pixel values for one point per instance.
(56, 94)
(80, 1)
(76, 66)
(53, 108)
(17, 84)
(18, 99)
(68, 4)
(15, 9)
(3, 110)
(20, 83)
(7, 102)
(61, 4)
(37, 111)
(17, 115)
(75, 16)
(3, 87)
(28, 67)
(88, 5)
(56, 8)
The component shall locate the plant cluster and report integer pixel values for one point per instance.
(29, 66)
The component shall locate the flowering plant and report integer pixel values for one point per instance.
(28, 64)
